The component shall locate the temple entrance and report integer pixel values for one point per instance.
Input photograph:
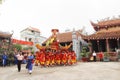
(113, 44)
(99, 45)
(102, 45)
(94, 45)
(118, 43)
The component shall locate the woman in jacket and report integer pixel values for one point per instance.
(30, 62)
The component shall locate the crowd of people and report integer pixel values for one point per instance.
(97, 56)
(18, 58)
(53, 58)
(46, 58)
(29, 57)
(42, 58)
(7, 59)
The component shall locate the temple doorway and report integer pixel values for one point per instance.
(113, 44)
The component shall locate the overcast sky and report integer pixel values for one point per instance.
(45, 15)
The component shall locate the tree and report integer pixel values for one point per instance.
(28, 48)
(17, 46)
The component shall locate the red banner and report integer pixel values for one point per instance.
(22, 42)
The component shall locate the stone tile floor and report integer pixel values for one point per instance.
(80, 71)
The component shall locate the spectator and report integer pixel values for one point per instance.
(4, 59)
(19, 58)
(94, 56)
(101, 56)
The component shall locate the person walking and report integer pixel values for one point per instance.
(19, 58)
(30, 62)
(94, 56)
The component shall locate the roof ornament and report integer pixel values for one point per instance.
(73, 29)
(53, 43)
(12, 32)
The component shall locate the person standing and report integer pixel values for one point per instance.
(30, 62)
(101, 56)
(19, 58)
(94, 56)
(4, 59)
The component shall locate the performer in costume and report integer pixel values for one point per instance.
(73, 57)
(47, 59)
(57, 59)
(52, 59)
(64, 58)
(42, 59)
(69, 56)
(37, 58)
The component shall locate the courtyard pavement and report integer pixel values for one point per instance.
(80, 71)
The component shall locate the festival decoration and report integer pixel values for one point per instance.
(16, 41)
(53, 53)
(40, 47)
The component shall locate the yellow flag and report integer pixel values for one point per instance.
(47, 43)
(51, 40)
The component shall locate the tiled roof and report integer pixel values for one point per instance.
(62, 37)
(34, 29)
(5, 35)
(111, 33)
(65, 37)
(108, 23)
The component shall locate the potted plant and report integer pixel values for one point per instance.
(84, 54)
(106, 57)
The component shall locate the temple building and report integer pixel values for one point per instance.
(5, 40)
(107, 36)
